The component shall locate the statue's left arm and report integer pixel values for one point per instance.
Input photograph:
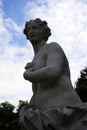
(53, 69)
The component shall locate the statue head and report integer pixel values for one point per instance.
(42, 25)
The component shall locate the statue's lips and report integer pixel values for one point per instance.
(32, 35)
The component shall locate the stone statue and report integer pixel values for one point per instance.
(54, 104)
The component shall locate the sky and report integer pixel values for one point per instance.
(68, 22)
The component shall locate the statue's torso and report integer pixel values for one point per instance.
(52, 94)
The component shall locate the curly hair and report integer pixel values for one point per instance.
(43, 24)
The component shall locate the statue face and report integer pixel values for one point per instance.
(34, 32)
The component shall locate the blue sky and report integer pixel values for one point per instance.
(68, 22)
(15, 9)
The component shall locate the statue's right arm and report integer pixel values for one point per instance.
(53, 69)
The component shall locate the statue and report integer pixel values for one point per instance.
(54, 104)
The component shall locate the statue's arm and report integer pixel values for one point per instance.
(53, 68)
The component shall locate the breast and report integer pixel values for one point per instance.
(39, 60)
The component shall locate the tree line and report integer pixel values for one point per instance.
(81, 85)
(9, 119)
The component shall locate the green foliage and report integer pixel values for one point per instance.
(6, 115)
(7, 106)
(81, 85)
(22, 104)
(9, 120)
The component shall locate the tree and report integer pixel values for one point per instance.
(81, 85)
(22, 104)
(9, 120)
(7, 116)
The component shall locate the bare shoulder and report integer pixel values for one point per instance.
(54, 46)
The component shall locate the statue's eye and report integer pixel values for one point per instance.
(32, 28)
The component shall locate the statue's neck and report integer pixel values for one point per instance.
(38, 45)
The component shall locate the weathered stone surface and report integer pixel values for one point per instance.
(54, 104)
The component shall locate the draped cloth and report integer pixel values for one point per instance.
(54, 118)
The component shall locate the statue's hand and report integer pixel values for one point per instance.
(26, 74)
(28, 65)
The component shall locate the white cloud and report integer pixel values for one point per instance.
(12, 61)
(12, 25)
(13, 86)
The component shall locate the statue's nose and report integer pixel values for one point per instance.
(31, 31)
